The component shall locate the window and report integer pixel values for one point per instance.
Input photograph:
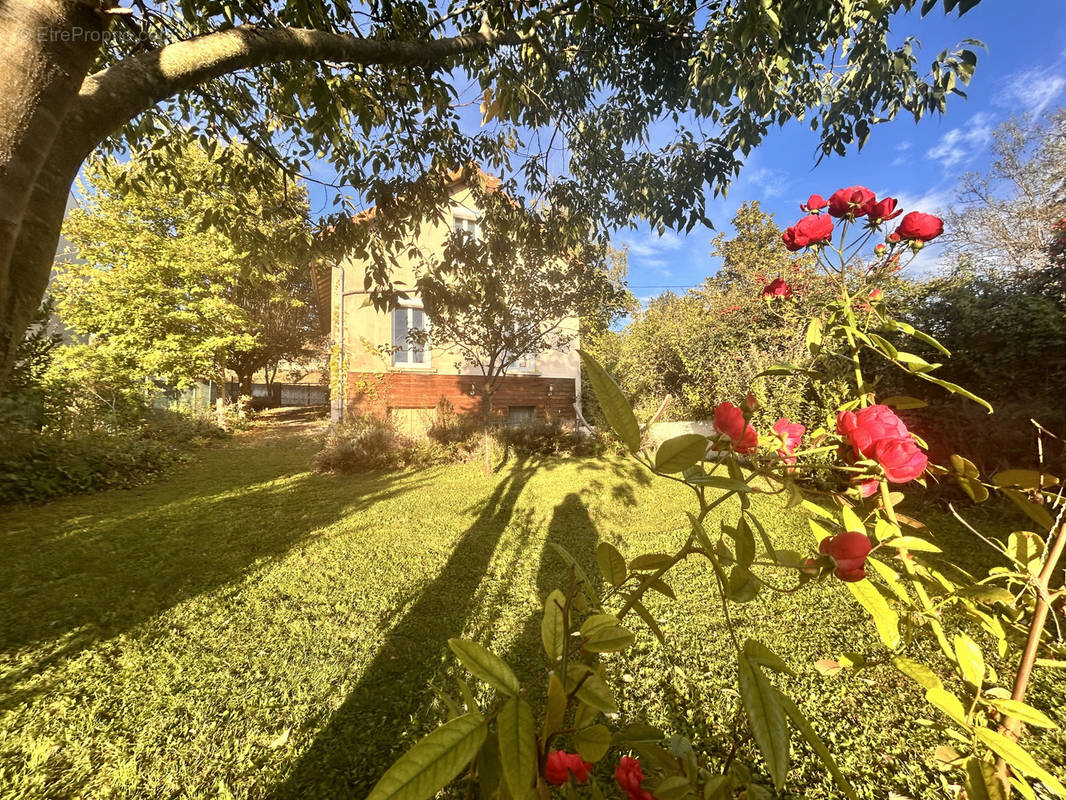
(464, 221)
(517, 416)
(407, 353)
(521, 364)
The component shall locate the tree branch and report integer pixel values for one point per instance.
(113, 96)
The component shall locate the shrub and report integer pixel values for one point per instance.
(365, 444)
(42, 465)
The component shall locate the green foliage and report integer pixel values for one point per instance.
(708, 345)
(168, 292)
(365, 444)
(37, 466)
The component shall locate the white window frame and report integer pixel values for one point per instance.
(523, 364)
(406, 345)
(463, 219)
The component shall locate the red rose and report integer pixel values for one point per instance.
(729, 420)
(777, 288)
(919, 227)
(848, 551)
(880, 250)
(867, 425)
(900, 458)
(884, 210)
(809, 230)
(629, 776)
(876, 294)
(876, 432)
(791, 433)
(814, 204)
(855, 201)
(560, 765)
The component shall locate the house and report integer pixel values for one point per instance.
(382, 373)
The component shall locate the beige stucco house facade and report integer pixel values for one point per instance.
(382, 373)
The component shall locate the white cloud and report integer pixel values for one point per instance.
(959, 145)
(1031, 91)
(904, 145)
(928, 202)
(644, 246)
(771, 182)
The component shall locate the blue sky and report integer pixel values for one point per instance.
(1022, 71)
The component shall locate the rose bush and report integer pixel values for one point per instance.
(889, 562)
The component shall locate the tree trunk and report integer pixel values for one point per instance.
(245, 384)
(220, 401)
(46, 49)
(486, 434)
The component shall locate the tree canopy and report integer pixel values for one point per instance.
(163, 286)
(568, 91)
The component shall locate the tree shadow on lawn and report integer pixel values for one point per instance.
(70, 578)
(375, 722)
(571, 528)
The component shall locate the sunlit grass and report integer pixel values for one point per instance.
(249, 629)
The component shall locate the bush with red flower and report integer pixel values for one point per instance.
(890, 564)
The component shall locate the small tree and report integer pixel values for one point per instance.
(508, 292)
(162, 286)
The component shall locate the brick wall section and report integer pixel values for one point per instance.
(375, 393)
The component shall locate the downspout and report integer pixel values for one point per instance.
(336, 406)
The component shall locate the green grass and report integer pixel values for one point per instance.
(248, 629)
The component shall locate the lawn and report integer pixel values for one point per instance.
(248, 629)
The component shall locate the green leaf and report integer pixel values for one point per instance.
(485, 665)
(851, 520)
(915, 543)
(917, 672)
(745, 540)
(970, 660)
(948, 703)
(1023, 711)
(650, 561)
(595, 691)
(813, 337)
(612, 402)
(612, 564)
(982, 783)
(954, 388)
(649, 620)
(586, 585)
(766, 718)
(592, 743)
(903, 402)
(804, 727)
(434, 761)
(1011, 752)
(1038, 514)
(885, 619)
(680, 453)
(638, 733)
(555, 708)
(1024, 479)
(553, 625)
(742, 586)
(518, 746)
(673, 787)
(605, 636)
(764, 656)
